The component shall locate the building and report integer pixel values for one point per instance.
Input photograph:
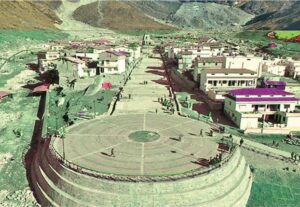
(185, 60)
(112, 62)
(261, 107)
(147, 40)
(89, 53)
(217, 82)
(274, 67)
(250, 62)
(46, 58)
(274, 84)
(80, 67)
(293, 69)
(202, 63)
(4, 94)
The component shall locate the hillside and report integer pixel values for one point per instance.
(117, 15)
(28, 15)
(163, 10)
(209, 16)
(285, 18)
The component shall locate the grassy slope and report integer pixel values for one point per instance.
(275, 188)
(260, 38)
(27, 15)
(117, 15)
(287, 34)
(12, 175)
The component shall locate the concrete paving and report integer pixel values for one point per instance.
(90, 145)
(144, 97)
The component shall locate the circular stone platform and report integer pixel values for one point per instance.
(138, 144)
(144, 136)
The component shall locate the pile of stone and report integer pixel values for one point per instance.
(292, 141)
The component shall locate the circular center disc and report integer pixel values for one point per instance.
(144, 136)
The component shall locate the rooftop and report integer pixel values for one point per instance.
(258, 91)
(3, 94)
(218, 59)
(270, 82)
(225, 70)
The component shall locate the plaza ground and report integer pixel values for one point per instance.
(89, 144)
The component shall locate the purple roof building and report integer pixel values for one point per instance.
(274, 84)
(255, 109)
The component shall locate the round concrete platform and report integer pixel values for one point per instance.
(138, 144)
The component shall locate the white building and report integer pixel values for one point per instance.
(293, 68)
(217, 82)
(261, 107)
(112, 62)
(202, 63)
(276, 69)
(251, 62)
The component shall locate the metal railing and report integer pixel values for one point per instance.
(141, 178)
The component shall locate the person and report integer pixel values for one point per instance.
(201, 132)
(180, 137)
(112, 153)
(129, 96)
(155, 110)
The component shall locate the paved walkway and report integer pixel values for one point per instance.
(144, 97)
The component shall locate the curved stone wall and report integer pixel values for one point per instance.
(56, 185)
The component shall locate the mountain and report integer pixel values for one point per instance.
(135, 14)
(209, 16)
(283, 14)
(28, 15)
(149, 14)
(117, 15)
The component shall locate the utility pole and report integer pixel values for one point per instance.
(94, 109)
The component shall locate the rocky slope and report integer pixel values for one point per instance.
(209, 16)
(273, 14)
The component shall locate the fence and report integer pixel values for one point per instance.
(126, 178)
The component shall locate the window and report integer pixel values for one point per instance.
(209, 82)
(212, 74)
(286, 106)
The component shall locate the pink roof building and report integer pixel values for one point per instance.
(41, 88)
(3, 94)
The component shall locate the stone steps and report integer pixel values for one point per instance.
(80, 180)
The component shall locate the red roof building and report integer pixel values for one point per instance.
(41, 88)
(3, 94)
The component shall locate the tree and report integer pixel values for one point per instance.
(51, 76)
